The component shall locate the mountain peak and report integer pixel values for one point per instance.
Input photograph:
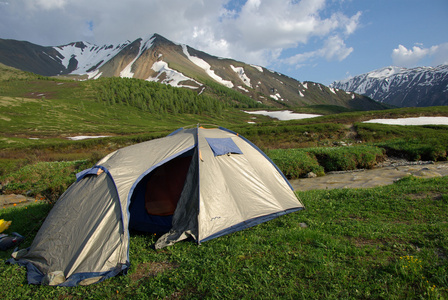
(386, 72)
(420, 86)
(155, 58)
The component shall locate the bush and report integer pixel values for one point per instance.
(295, 163)
(348, 158)
(415, 149)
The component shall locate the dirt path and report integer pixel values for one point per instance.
(387, 174)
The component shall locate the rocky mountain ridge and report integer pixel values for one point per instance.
(402, 87)
(155, 58)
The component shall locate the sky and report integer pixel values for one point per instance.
(309, 40)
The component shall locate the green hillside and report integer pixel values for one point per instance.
(39, 112)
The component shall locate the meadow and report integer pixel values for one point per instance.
(388, 242)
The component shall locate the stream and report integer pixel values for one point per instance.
(385, 174)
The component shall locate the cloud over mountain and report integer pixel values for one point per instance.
(254, 31)
(404, 57)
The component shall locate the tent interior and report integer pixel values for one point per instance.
(155, 197)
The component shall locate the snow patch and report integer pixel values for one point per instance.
(386, 72)
(88, 56)
(206, 67)
(332, 90)
(283, 115)
(242, 88)
(258, 68)
(301, 95)
(276, 97)
(242, 75)
(84, 137)
(412, 121)
(126, 72)
(95, 74)
(172, 77)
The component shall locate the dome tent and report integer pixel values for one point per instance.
(196, 182)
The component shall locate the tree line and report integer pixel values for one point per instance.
(159, 98)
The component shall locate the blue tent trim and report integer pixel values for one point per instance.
(34, 276)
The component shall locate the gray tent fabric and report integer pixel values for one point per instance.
(230, 185)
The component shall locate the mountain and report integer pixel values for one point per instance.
(416, 87)
(157, 59)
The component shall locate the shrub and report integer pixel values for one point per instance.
(348, 158)
(295, 163)
(47, 179)
(415, 149)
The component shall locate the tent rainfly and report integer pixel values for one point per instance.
(195, 183)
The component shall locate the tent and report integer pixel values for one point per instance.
(194, 183)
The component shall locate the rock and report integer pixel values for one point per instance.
(311, 175)
(426, 173)
(303, 225)
(13, 199)
(340, 143)
(53, 278)
(90, 281)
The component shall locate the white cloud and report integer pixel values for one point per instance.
(404, 57)
(254, 31)
(262, 30)
(334, 49)
(352, 23)
(51, 4)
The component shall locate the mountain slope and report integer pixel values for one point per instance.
(422, 86)
(157, 59)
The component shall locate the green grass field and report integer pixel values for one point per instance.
(389, 242)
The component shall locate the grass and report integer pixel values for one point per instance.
(44, 179)
(388, 242)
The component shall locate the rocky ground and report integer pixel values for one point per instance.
(385, 173)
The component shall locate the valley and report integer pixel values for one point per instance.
(347, 235)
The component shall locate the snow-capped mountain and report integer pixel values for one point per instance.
(422, 86)
(157, 59)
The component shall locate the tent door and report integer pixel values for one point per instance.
(156, 195)
(165, 185)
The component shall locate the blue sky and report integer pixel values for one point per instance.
(310, 40)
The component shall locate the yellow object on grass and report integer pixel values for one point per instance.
(4, 225)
